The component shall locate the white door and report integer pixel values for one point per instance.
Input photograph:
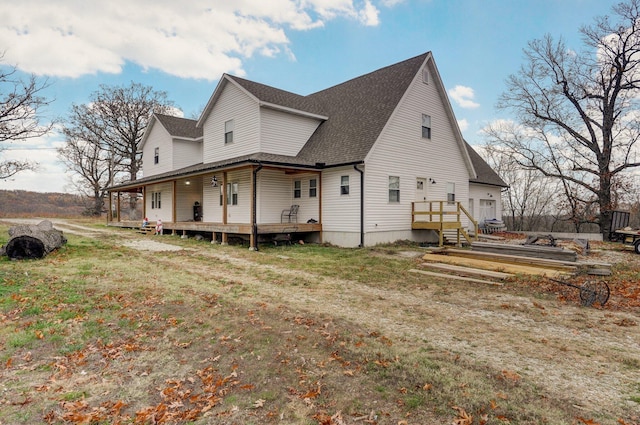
(421, 189)
(487, 209)
(420, 198)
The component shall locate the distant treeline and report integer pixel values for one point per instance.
(21, 203)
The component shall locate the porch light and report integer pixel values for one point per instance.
(214, 182)
(432, 181)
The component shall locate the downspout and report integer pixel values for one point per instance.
(254, 219)
(355, 167)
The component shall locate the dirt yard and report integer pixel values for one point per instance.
(587, 357)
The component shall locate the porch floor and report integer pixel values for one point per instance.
(229, 228)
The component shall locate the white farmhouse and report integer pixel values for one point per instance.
(375, 159)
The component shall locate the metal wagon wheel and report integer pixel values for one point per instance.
(594, 291)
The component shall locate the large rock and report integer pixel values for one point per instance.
(32, 241)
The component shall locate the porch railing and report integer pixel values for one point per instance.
(441, 216)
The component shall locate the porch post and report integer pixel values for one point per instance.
(118, 208)
(173, 206)
(224, 238)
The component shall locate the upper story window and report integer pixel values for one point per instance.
(425, 75)
(297, 188)
(156, 155)
(426, 126)
(228, 132)
(344, 185)
(313, 188)
(394, 189)
(451, 192)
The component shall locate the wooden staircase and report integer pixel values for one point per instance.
(445, 218)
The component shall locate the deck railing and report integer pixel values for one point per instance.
(441, 216)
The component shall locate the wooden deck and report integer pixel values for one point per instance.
(230, 228)
(442, 216)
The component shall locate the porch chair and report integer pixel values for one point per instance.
(291, 213)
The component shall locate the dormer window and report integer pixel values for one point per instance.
(228, 132)
(156, 155)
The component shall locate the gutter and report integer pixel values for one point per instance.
(254, 220)
(355, 167)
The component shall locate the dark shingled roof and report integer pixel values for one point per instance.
(180, 127)
(357, 110)
(280, 97)
(486, 174)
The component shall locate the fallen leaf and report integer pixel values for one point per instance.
(258, 403)
(463, 417)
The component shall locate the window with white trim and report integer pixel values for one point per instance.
(297, 188)
(344, 185)
(156, 155)
(228, 132)
(232, 193)
(394, 189)
(156, 200)
(313, 188)
(451, 192)
(426, 126)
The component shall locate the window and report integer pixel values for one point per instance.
(297, 188)
(394, 189)
(313, 188)
(425, 76)
(426, 126)
(420, 185)
(451, 192)
(156, 155)
(344, 185)
(228, 132)
(156, 200)
(232, 194)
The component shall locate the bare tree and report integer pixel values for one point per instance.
(93, 169)
(530, 195)
(21, 108)
(577, 112)
(103, 136)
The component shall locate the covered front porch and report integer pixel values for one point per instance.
(242, 202)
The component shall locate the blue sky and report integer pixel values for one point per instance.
(301, 46)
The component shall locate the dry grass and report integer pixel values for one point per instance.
(101, 333)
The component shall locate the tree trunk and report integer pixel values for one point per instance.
(32, 241)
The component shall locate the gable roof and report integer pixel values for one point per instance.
(485, 174)
(354, 113)
(359, 109)
(182, 128)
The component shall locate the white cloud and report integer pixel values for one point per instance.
(197, 39)
(463, 96)
(50, 176)
(463, 124)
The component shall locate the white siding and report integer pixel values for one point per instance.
(233, 104)
(165, 212)
(186, 153)
(211, 209)
(157, 138)
(186, 196)
(341, 213)
(482, 194)
(275, 189)
(401, 151)
(283, 133)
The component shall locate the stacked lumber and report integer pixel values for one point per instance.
(534, 251)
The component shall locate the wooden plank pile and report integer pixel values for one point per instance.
(534, 251)
(501, 261)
